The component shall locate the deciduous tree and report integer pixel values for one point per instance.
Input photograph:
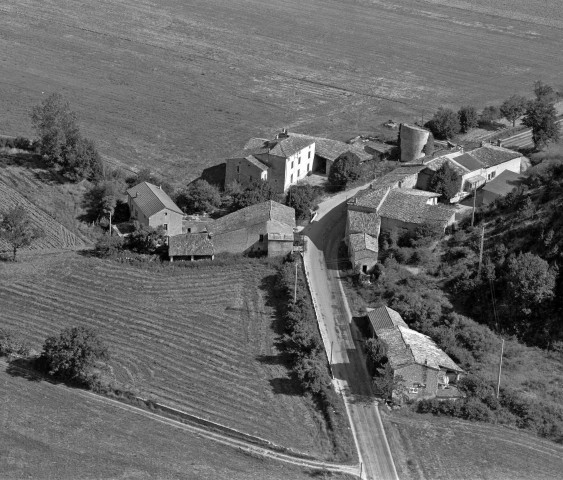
(73, 353)
(446, 181)
(345, 169)
(17, 230)
(256, 192)
(513, 108)
(545, 93)
(468, 118)
(301, 198)
(444, 124)
(198, 197)
(541, 117)
(491, 114)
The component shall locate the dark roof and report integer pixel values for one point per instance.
(436, 163)
(468, 162)
(378, 147)
(257, 163)
(369, 198)
(504, 183)
(401, 204)
(281, 216)
(362, 222)
(189, 244)
(332, 149)
(383, 318)
(151, 199)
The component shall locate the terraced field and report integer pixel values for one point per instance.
(202, 341)
(179, 86)
(56, 235)
(50, 432)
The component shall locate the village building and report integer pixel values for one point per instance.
(266, 228)
(426, 371)
(287, 159)
(500, 186)
(475, 168)
(151, 206)
(390, 203)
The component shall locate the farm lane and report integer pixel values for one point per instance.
(224, 439)
(344, 350)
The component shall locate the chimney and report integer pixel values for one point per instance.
(160, 186)
(282, 134)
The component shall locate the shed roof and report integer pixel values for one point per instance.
(504, 183)
(188, 244)
(404, 206)
(257, 163)
(151, 199)
(383, 318)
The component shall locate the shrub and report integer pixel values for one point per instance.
(22, 143)
(108, 246)
(11, 344)
(344, 170)
(473, 409)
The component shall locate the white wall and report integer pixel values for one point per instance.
(299, 165)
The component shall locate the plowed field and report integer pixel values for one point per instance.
(181, 85)
(202, 340)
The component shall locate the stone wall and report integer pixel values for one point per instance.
(418, 374)
(413, 140)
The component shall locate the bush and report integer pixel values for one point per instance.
(11, 344)
(108, 246)
(22, 143)
(344, 170)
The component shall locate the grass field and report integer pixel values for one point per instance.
(201, 340)
(53, 433)
(56, 235)
(179, 85)
(431, 448)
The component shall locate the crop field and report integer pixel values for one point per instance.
(56, 235)
(58, 198)
(430, 448)
(181, 85)
(50, 432)
(201, 340)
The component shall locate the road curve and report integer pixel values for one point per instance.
(342, 340)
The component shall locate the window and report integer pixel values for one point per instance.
(292, 164)
(292, 178)
(165, 226)
(309, 154)
(165, 214)
(189, 230)
(261, 238)
(491, 175)
(308, 168)
(238, 168)
(298, 173)
(299, 161)
(250, 178)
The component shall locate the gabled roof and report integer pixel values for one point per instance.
(362, 222)
(491, 155)
(425, 351)
(436, 163)
(280, 147)
(362, 241)
(383, 318)
(257, 163)
(402, 205)
(151, 199)
(332, 149)
(469, 162)
(378, 147)
(188, 244)
(281, 216)
(369, 198)
(504, 183)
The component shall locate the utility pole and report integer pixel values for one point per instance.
(110, 223)
(331, 349)
(295, 288)
(500, 368)
(474, 197)
(482, 243)
(361, 468)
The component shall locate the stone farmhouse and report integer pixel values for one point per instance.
(266, 228)
(426, 370)
(475, 167)
(287, 159)
(151, 206)
(390, 203)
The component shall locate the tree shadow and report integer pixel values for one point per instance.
(285, 386)
(23, 368)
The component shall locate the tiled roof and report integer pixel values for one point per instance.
(425, 351)
(436, 163)
(369, 198)
(401, 205)
(362, 222)
(190, 244)
(151, 199)
(398, 353)
(259, 213)
(383, 318)
(280, 147)
(332, 149)
(362, 241)
(491, 155)
(504, 183)
(378, 146)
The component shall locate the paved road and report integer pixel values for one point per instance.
(342, 340)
